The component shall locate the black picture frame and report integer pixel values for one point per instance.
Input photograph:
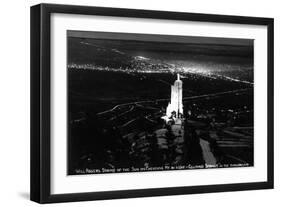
(40, 102)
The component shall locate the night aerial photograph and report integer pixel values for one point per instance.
(147, 102)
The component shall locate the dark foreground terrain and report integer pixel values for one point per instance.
(115, 125)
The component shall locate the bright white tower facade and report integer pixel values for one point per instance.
(175, 106)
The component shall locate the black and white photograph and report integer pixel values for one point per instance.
(149, 102)
(140, 102)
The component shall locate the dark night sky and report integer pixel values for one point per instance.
(224, 56)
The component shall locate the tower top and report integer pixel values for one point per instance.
(178, 76)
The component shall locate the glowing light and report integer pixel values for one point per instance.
(141, 58)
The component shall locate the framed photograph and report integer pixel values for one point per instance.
(133, 103)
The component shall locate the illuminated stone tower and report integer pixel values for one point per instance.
(175, 107)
